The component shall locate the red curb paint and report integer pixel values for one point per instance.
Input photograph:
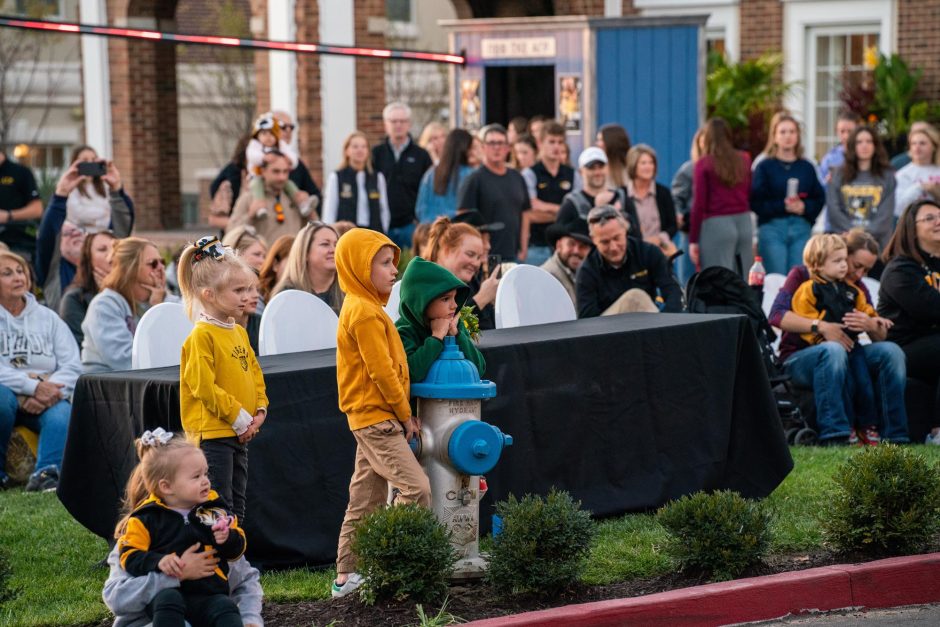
(885, 583)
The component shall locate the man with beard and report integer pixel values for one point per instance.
(283, 216)
(577, 204)
(571, 243)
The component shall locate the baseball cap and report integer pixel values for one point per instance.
(591, 155)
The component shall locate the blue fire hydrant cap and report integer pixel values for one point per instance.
(475, 447)
(453, 376)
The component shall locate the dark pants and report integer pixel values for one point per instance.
(923, 363)
(228, 471)
(171, 609)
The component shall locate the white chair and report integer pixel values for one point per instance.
(528, 295)
(296, 321)
(772, 284)
(873, 286)
(159, 338)
(393, 300)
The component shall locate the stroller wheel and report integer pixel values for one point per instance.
(804, 437)
(791, 434)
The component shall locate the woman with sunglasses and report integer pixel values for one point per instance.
(910, 296)
(136, 282)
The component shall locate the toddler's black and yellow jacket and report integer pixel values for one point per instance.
(154, 531)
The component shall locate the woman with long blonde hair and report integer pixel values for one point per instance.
(355, 192)
(137, 281)
(786, 195)
(311, 265)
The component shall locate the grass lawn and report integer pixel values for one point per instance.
(52, 579)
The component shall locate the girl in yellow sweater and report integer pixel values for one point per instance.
(222, 396)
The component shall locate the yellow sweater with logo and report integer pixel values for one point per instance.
(371, 364)
(219, 375)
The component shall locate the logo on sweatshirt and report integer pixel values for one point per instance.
(242, 356)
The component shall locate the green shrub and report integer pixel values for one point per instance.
(886, 502)
(719, 533)
(543, 544)
(404, 553)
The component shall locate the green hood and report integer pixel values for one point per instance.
(422, 282)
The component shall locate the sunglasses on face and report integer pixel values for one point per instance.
(153, 264)
(288, 127)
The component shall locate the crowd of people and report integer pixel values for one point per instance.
(467, 206)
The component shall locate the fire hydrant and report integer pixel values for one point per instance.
(456, 448)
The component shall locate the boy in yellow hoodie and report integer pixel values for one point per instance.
(372, 376)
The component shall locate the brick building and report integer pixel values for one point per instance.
(137, 107)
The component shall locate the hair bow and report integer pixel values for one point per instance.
(208, 246)
(157, 437)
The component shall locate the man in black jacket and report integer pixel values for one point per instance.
(623, 274)
(402, 162)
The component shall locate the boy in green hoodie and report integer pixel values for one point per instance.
(431, 298)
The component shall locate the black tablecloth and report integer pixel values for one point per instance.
(625, 412)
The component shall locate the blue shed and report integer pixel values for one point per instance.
(644, 73)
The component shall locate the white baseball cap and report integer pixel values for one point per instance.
(591, 155)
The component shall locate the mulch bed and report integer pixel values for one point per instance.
(477, 601)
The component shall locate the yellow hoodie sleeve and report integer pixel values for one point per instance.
(373, 348)
(199, 372)
(803, 304)
(862, 304)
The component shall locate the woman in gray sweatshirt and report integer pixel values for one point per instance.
(861, 192)
(137, 281)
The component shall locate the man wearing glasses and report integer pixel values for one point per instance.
(500, 195)
(299, 175)
(283, 217)
(402, 162)
(623, 274)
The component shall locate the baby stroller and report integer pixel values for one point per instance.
(718, 290)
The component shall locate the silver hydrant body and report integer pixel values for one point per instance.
(456, 448)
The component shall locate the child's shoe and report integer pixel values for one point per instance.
(262, 213)
(869, 436)
(351, 585)
(853, 438)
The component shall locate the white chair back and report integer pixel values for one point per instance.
(296, 321)
(528, 295)
(873, 286)
(393, 300)
(159, 338)
(772, 284)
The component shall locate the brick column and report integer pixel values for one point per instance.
(761, 27)
(144, 117)
(370, 73)
(309, 114)
(259, 21)
(919, 43)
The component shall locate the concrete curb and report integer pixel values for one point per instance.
(886, 583)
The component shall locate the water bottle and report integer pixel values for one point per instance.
(755, 276)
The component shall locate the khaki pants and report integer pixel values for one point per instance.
(632, 301)
(383, 457)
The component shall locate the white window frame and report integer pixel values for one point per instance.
(811, 65)
(402, 29)
(803, 19)
(724, 18)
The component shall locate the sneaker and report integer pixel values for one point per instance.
(262, 213)
(933, 438)
(869, 436)
(46, 480)
(853, 438)
(351, 585)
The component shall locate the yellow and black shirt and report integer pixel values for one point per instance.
(828, 301)
(155, 531)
